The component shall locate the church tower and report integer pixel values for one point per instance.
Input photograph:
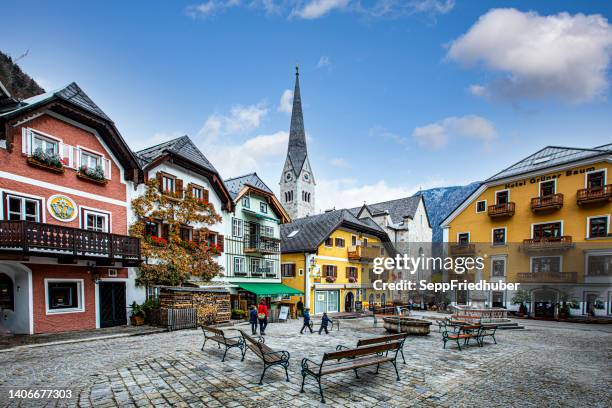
(297, 184)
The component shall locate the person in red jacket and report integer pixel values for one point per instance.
(262, 316)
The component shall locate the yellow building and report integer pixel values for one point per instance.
(329, 257)
(543, 222)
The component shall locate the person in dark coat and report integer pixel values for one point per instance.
(306, 321)
(325, 321)
(300, 307)
(253, 319)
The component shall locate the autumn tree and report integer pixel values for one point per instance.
(170, 260)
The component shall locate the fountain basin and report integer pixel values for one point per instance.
(414, 327)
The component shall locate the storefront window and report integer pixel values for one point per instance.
(64, 295)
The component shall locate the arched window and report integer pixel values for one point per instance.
(7, 300)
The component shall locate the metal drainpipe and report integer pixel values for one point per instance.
(306, 281)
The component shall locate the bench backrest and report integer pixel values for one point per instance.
(383, 339)
(213, 330)
(258, 347)
(363, 351)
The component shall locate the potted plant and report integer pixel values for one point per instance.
(44, 160)
(95, 174)
(521, 297)
(330, 278)
(137, 316)
(238, 314)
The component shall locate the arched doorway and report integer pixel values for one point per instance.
(544, 303)
(349, 302)
(7, 296)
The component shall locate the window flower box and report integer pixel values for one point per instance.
(46, 161)
(330, 279)
(95, 175)
(352, 279)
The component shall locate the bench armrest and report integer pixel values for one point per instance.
(238, 338)
(284, 355)
(309, 365)
(341, 347)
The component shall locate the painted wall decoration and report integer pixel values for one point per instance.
(62, 208)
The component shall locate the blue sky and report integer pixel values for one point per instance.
(397, 95)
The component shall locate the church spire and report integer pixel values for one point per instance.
(297, 151)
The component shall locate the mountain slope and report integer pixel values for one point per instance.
(442, 201)
(17, 82)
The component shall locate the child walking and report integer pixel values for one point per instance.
(253, 319)
(325, 320)
(306, 321)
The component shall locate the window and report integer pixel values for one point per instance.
(548, 231)
(267, 231)
(263, 207)
(288, 196)
(547, 188)
(196, 192)
(599, 265)
(542, 264)
(502, 197)
(237, 227)
(340, 242)
(330, 270)
(185, 233)
(212, 238)
(270, 268)
(597, 227)
(151, 228)
(239, 266)
(64, 295)
(463, 238)
(256, 266)
(497, 299)
(246, 202)
(95, 221)
(301, 272)
(168, 184)
(596, 179)
(498, 267)
(365, 242)
(90, 160)
(329, 242)
(22, 208)
(351, 272)
(288, 270)
(481, 206)
(353, 240)
(45, 144)
(499, 236)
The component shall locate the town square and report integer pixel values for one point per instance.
(347, 203)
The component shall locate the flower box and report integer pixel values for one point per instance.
(37, 163)
(330, 279)
(85, 177)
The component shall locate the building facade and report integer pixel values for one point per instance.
(543, 222)
(329, 258)
(65, 182)
(297, 183)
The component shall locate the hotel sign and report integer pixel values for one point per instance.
(62, 208)
(537, 179)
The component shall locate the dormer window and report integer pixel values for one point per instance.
(246, 202)
(263, 207)
(90, 160)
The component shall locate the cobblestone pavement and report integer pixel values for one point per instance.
(544, 365)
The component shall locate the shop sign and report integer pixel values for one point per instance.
(537, 179)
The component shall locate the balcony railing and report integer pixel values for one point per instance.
(363, 253)
(547, 277)
(36, 238)
(501, 210)
(462, 249)
(261, 244)
(547, 203)
(258, 272)
(545, 244)
(594, 195)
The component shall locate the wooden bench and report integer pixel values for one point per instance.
(378, 340)
(266, 354)
(465, 333)
(351, 360)
(487, 330)
(218, 336)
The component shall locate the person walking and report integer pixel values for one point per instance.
(325, 320)
(300, 308)
(306, 321)
(253, 319)
(262, 316)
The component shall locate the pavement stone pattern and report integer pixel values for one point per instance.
(548, 364)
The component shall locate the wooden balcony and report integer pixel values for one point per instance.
(594, 195)
(501, 210)
(20, 239)
(363, 253)
(547, 277)
(548, 244)
(261, 245)
(547, 203)
(462, 249)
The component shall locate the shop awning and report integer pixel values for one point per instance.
(269, 289)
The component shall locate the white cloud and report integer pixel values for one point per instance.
(339, 162)
(560, 56)
(436, 135)
(318, 8)
(324, 62)
(384, 133)
(286, 101)
(241, 119)
(210, 8)
(399, 8)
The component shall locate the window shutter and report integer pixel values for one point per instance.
(179, 187)
(335, 270)
(24, 141)
(107, 168)
(221, 242)
(160, 186)
(165, 231)
(69, 155)
(205, 195)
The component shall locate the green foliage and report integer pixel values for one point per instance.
(49, 159)
(521, 297)
(96, 173)
(137, 310)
